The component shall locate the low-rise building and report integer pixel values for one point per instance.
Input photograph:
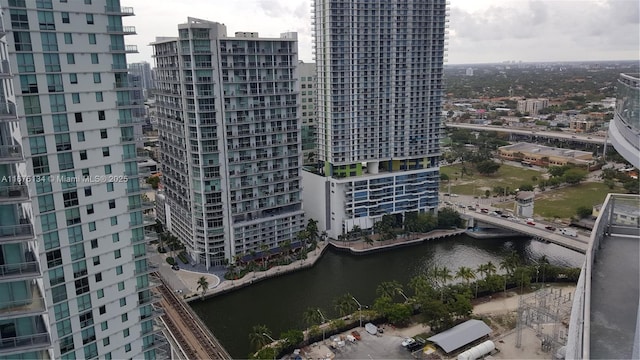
(541, 155)
(532, 106)
(581, 125)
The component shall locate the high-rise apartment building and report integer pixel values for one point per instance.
(24, 329)
(379, 67)
(308, 96)
(229, 126)
(142, 72)
(76, 115)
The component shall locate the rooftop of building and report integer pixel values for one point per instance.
(545, 150)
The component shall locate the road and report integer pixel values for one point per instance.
(462, 203)
(585, 138)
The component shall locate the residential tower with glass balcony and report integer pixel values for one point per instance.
(379, 82)
(76, 115)
(227, 109)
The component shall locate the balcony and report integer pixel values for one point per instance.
(14, 194)
(119, 68)
(8, 112)
(143, 188)
(129, 49)
(5, 70)
(10, 154)
(126, 85)
(20, 271)
(116, 10)
(35, 305)
(151, 236)
(124, 104)
(151, 299)
(16, 233)
(121, 30)
(139, 155)
(143, 206)
(150, 285)
(132, 121)
(147, 220)
(26, 343)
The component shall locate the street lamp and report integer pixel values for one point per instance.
(323, 322)
(270, 338)
(359, 309)
(403, 295)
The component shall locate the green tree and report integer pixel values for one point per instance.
(632, 186)
(154, 181)
(487, 167)
(583, 212)
(203, 286)
(575, 176)
(312, 229)
(292, 337)
(466, 274)
(312, 316)
(461, 307)
(526, 187)
(448, 218)
(257, 337)
(389, 289)
(344, 305)
(368, 240)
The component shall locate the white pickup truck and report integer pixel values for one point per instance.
(568, 231)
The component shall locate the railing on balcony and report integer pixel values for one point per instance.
(8, 112)
(123, 48)
(19, 270)
(14, 193)
(11, 153)
(16, 232)
(116, 10)
(131, 121)
(138, 155)
(144, 205)
(126, 30)
(119, 67)
(26, 342)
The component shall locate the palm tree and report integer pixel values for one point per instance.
(257, 338)
(482, 269)
(312, 316)
(491, 268)
(389, 289)
(203, 285)
(466, 274)
(312, 229)
(344, 305)
(355, 232)
(368, 240)
(443, 274)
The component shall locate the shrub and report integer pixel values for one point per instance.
(171, 261)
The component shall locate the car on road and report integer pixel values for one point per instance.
(448, 203)
(175, 267)
(408, 341)
(461, 206)
(356, 335)
(417, 344)
(531, 222)
(484, 211)
(471, 207)
(550, 228)
(504, 216)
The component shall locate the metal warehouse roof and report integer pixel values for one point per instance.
(461, 335)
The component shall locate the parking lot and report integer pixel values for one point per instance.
(381, 346)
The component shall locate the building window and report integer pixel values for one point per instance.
(85, 173)
(96, 260)
(75, 97)
(63, 142)
(72, 216)
(73, 78)
(80, 136)
(99, 97)
(75, 234)
(28, 84)
(125, 332)
(103, 134)
(90, 22)
(112, 204)
(94, 58)
(101, 115)
(68, 38)
(56, 276)
(124, 317)
(19, 18)
(90, 209)
(71, 59)
(46, 21)
(51, 240)
(70, 198)
(100, 293)
(107, 169)
(87, 191)
(104, 325)
(46, 203)
(61, 310)
(54, 83)
(65, 161)
(114, 220)
(123, 302)
(127, 348)
(58, 105)
(60, 123)
(105, 151)
(40, 165)
(31, 105)
(96, 78)
(119, 270)
(65, 17)
(83, 154)
(121, 286)
(49, 40)
(102, 310)
(105, 341)
(92, 226)
(117, 254)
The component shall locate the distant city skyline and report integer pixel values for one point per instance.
(481, 31)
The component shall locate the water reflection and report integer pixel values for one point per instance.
(279, 303)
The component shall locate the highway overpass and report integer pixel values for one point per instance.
(579, 243)
(570, 137)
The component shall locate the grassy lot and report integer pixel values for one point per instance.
(507, 176)
(563, 202)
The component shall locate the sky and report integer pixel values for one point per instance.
(480, 31)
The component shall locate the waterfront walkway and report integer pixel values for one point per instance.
(186, 281)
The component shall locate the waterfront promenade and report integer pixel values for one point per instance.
(186, 281)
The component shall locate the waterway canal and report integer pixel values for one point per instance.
(279, 303)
